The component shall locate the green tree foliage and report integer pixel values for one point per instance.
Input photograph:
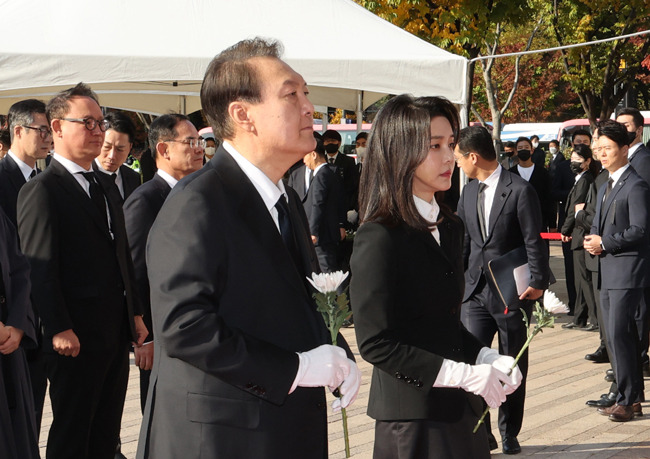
(601, 74)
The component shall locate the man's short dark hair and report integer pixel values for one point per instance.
(58, 106)
(509, 144)
(578, 132)
(554, 142)
(230, 77)
(534, 137)
(637, 117)
(5, 138)
(164, 128)
(121, 123)
(361, 135)
(22, 114)
(477, 139)
(332, 134)
(527, 140)
(615, 131)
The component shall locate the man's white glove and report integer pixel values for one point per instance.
(502, 363)
(329, 366)
(483, 380)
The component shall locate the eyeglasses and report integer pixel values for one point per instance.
(42, 131)
(458, 158)
(90, 123)
(193, 143)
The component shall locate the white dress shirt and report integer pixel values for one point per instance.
(492, 181)
(429, 211)
(24, 168)
(171, 181)
(269, 192)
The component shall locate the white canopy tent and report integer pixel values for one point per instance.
(151, 55)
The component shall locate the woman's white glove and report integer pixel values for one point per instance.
(483, 380)
(503, 363)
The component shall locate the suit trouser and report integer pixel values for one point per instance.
(328, 257)
(619, 310)
(585, 309)
(483, 315)
(87, 394)
(569, 269)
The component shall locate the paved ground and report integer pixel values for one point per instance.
(557, 422)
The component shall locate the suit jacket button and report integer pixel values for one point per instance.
(418, 383)
(408, 380)
(399, 375)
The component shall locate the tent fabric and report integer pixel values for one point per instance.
(151, 56)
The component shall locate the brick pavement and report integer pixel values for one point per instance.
(557, 422)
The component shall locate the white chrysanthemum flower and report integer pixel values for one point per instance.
(553, 304)
(328, 282)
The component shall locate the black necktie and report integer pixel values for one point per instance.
(116, 189)
(331, 160)
(610, 184)
(97, 195)
(286, 229)
(33, 174)
(310, 177)
(480, 206)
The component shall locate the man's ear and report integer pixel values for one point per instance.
(56, 128)
(161, 150)
(239, 113)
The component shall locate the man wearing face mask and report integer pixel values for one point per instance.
(538, 155)
(210, 144)
(347, 168)
(538, 177)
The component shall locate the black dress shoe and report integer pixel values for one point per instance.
(571, 325)
(605, 401)
(600, 356)
(590, 327)
(511, 445)
(646, 370)
(492, 442)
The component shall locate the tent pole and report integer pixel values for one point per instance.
(359, 111)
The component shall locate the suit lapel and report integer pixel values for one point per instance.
(610, 203)
(15, 175)
(72, 187)
(471, 213)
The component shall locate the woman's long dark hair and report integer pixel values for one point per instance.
(399, 142)
(585, 153)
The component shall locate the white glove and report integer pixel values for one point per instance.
(352, 216)
(349, 389)
(483, 380)
(502, 363)
(325, 365)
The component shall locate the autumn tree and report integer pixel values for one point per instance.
(601, 74)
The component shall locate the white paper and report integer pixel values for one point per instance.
(522, 278)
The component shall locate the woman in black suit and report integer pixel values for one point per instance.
(586, 169)
(406, 292)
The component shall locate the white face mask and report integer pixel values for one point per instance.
(535, 144)
(361, 153)
(553, 150)
(209, 151)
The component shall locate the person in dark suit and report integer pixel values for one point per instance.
(619, 236)
(585, 169)
(239, 343)
(324, 206)
(407, 288)
(562, 181)
(538, 177)
(511, 219)
(347, 168)
(538, 155)
(31, 140)
(109, 165)
(639, 158)
(73, 235)
(174, 160)
(511, 158)
(18, 430)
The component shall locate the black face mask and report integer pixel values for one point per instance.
(630, 137)
(576, 167)
(331, 148)
(510, 153)
(523, 155)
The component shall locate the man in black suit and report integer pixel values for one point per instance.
(538, 177)
(109, 165)
(174, 161)
(538, 154)
(323, 205)
(73, 235)
(31, 139)
(619, 236)
(510, 218)
(347, 168)
(239, 342)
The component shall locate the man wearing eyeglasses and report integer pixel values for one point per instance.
(73, 235)
(174, 160)
(30, 140)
